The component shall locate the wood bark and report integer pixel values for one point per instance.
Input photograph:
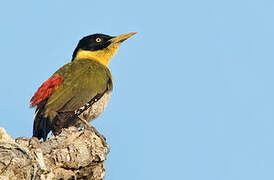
(73, 154)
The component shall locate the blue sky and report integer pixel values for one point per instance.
(193, 90)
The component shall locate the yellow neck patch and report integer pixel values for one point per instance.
(102, 56)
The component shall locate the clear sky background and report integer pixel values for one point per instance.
(193, 90)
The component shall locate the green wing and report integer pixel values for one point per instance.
(82, 81)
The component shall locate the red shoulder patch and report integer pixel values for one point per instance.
(47, 88)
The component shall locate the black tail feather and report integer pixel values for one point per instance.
(41, 127)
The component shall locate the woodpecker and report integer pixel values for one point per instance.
(79, 91)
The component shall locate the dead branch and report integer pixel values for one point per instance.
(73, 154)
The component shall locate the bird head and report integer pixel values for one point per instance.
(99, 47)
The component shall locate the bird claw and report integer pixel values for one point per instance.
(103, 138)
(85, 123)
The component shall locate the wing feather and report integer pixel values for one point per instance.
(83, 80)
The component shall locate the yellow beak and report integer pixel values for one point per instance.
(121, 38)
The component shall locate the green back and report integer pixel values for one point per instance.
(82, 80)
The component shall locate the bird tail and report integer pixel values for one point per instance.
(41, 126)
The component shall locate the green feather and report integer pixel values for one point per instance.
(82, 80)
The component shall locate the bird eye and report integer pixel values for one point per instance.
(98, 40)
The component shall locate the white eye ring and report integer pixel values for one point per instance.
(98, 40)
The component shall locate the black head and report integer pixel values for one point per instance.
(93, 43)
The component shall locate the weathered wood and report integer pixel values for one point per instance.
(73, 154)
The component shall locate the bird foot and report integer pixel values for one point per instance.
(103, 139)
(85, 122)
